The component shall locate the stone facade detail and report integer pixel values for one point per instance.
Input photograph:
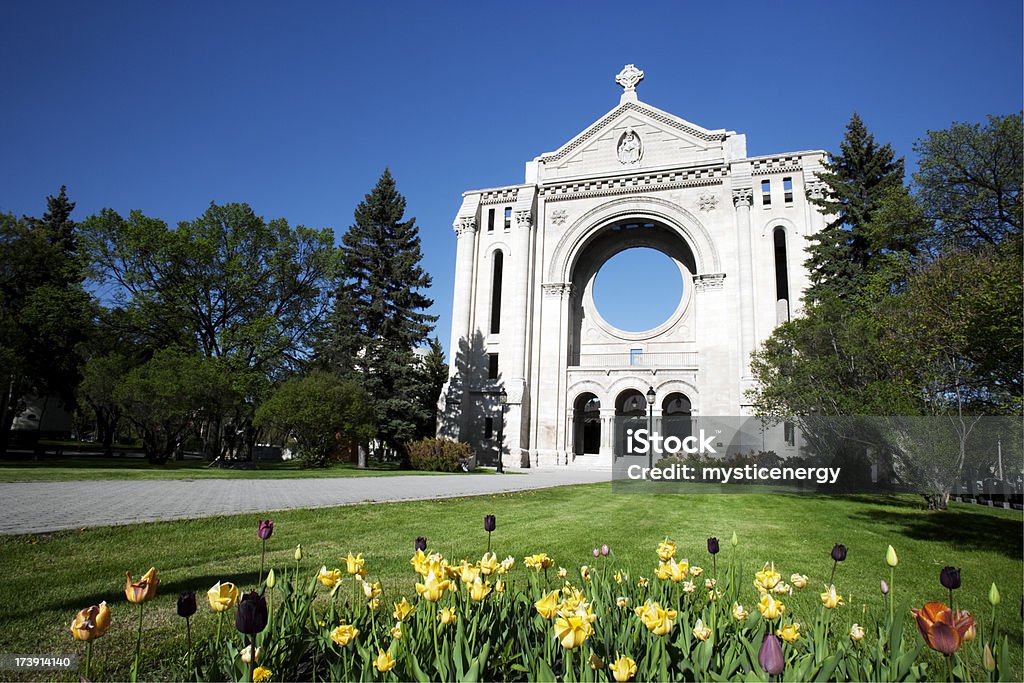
(637, 177)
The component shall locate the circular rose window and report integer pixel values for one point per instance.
(638, 289)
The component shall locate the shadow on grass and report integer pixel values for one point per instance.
(966, 529)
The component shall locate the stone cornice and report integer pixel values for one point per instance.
(524, 219)
(708, 281)
(644, 182)
(558, 290)
(784, 163)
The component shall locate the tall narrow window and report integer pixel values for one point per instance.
(490, 220)
(789, 433)
(781, 276)
(488, 427)
(492, 366)
(787, 190)
(499, 262)
(508, 217)
(766, 193)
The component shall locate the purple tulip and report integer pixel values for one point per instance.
(251, 615)
(885, 587)
(770, 656)
(949, 577)
(421, 543)
(597, 553)
(265, 530)
(713, 545)
(187, 604)
(839, 552)
(490, 523)
(604, 550)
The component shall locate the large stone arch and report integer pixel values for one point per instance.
(684, 223)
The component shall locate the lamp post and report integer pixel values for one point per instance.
(650, 425)
(502, 401)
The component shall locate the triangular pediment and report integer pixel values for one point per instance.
(635, 137)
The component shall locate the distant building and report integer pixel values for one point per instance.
(524, 317)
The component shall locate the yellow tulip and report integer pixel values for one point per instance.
(562, 572)
(672, 570)
(689, 587)
(738, 613)
(618, 578)
(499, 586)
(396, 632)
(623, 669)
(547, 605)
(478, 590)
(298, 552)
(789, 633)
(710, 583)
(91, 623)
(621, 601)
(571, 631)
(539, 561)
(769, 607)
(657, 620)
(856, 632)
(798, 580)
(384, 661)
(344, 634)
(781, 588)
(222, 596)
(890, 557)
(374, 604)
(700, 631)
(446, 616)
(585, 573)
(666, 550)
(356, 565)
(330, 578)
(261, 673)
(143, 589)
(830, 598)
(403, 609)
(468, 573)
(641, 582)
(419, 562)
(371, 590)
(489, 564)
(696, 571)
(766, 579)
(432, 589)
(507, 564)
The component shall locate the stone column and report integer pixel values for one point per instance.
(513, 335)
(742, 200)
(465, 228)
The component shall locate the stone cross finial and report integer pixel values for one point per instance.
(629, 77)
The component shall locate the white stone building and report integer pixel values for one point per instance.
(524, 318)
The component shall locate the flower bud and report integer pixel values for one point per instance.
(987, 660)
(713, 547)
(271, 579)
(251, 614)
(298, 552)
(839, 552)
(890, 557)
(265, 529)
(735, 541)
(770, 656)
(421, 544)
(605, 550)
(597, 553)
(993, 595)
(884, 587)
(949, 577)
(490, 524)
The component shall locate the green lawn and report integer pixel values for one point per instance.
(46, 579)
(19, 467)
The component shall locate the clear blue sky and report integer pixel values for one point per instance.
(296, 108)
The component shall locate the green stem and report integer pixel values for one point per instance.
(949, 660)
(252, 656)
(88, 657)
(263, 555)
(892, 595)
(220, 620)
(138, 646)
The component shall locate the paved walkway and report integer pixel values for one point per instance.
(37, 507)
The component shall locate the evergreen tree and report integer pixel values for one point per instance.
(857, 181)
(435, 373)
(379, 317)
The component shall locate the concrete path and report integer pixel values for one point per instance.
(38, 507)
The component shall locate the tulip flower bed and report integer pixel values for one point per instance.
(677, 606)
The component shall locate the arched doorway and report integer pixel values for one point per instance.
(676, 414)
(586, 424)
(630, 414)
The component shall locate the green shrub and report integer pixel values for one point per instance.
(438, 455)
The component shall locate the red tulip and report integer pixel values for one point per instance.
(942, 630)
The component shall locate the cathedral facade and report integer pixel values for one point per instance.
(536, 372)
